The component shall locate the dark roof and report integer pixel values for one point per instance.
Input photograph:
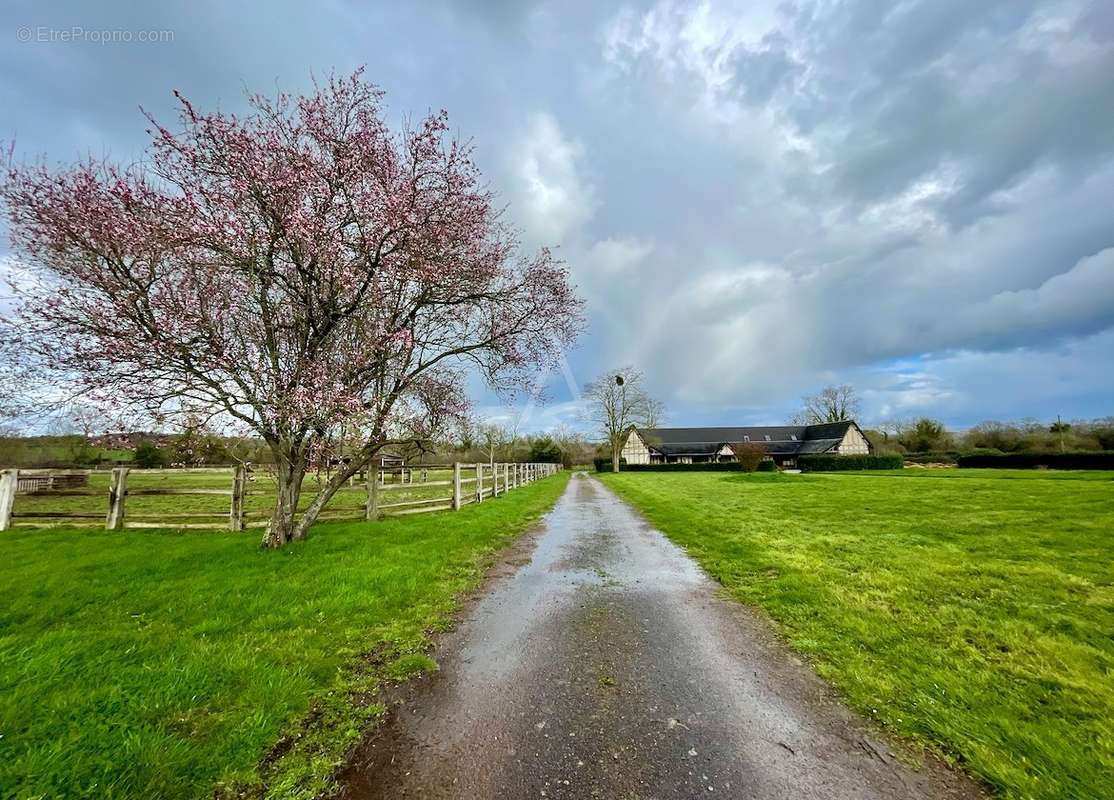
(783, 439)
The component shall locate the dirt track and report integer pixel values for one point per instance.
(608, 666)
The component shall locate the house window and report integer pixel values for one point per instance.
(767, 437)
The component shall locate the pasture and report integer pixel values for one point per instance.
(141, 664)
(968, 611)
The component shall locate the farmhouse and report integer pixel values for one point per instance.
(782, 443)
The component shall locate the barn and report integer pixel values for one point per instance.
(782, 443)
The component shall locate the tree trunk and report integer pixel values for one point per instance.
(614, 459)
(324, 495)
(289, 474)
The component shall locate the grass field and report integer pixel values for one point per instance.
(162, 664)
(970, 611)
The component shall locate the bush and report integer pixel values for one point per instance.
(833, 463)
(1103, 459)
(767, 466)
(148, 456)
(750, 455)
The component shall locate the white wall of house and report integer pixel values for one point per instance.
(853, 444)
(635, 450)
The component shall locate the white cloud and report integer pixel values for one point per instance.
(554, 199)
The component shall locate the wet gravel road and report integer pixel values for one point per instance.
(608, 666)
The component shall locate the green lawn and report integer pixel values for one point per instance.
(970, 611)
(162, 665)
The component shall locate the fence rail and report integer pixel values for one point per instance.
(470, 483)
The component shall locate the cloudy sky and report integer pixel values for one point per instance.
(756, 199)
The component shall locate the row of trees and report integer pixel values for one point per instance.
(929, 435)
(924, 434)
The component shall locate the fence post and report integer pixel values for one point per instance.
(506, 478)
(494, 480)
(479, 483)
(117, 497)
(371, 505)
(456, 486)
(236, 512)
(9, 480)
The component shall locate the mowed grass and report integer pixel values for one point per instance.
(140, 664)
(970, 611)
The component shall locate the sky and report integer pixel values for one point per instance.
(756, 199)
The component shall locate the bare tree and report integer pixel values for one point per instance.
(655, 413)
(615, 402)
(830, 404)
(493, 437)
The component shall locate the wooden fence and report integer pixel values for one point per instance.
(470, 483)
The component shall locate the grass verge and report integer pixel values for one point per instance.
(161, 664)
(971, 612)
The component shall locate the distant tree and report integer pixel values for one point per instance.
(656, 414)
(830, 404)
(492, 437)
(197, 445)
(82, 427)
(148, 455)
(923, 435)
(575, 447)
(1103, 431)
(544, 450)
(892, 427)
(613, 403)
(994, 435)
(302, 271)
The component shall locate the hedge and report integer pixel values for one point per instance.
(1098, 459)
(827, 463)
(767, 466)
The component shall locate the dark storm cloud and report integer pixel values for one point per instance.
(756, 198)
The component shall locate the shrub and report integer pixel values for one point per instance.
(834, 463)
(750, 455)
(1103, 459)
(767, 465)
(149, 456)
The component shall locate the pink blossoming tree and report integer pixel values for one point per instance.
(302, 271)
